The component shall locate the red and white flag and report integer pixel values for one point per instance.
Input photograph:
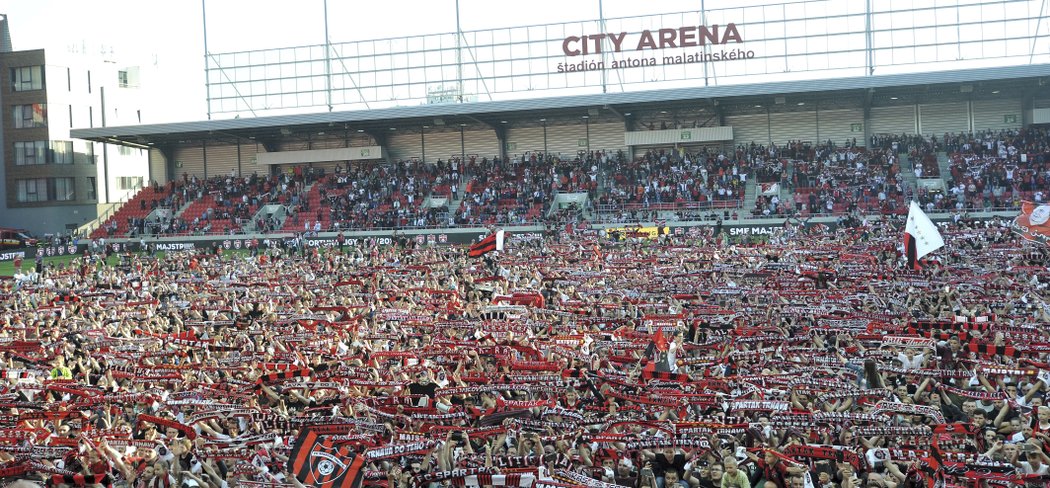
(1033, 223)
(921, 236)
(494, 242)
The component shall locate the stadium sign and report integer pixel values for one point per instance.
(650, 40)
(352, 242)
(761, 230)
(435, 237)
(432, 237)
(11, 256)
(174, 246)
(45, 251)
(687, 36)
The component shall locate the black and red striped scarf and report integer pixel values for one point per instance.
(650, 373)
(947, 325)
(510, 479)
(976, 395)
(987, 349)
(823, 452)
(163, 422)
(282, 375)
(82, 479)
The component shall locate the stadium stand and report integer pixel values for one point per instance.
(363, 198)
(131, 217)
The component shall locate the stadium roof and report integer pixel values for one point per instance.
(875, 89)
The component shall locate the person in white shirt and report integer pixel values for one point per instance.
(910, 360)
(672, 351)
(1035, 462)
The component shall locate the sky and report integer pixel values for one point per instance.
(169, 34)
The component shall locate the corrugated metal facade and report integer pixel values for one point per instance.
(481, 143)
(328, 144)
(693, 93)
(940, 118)
(749, 128)
(691, 136)
(793, 126)
(607, 137)
(893, 120)
(248, 151)
(564, 141)
(523, 140)
(222, 160)
(406, 146)
(993, 114)
(158, 166)
(837, 125)
(443, 145)
(296, 145)
(189, 160)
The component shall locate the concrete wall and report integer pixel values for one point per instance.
(51, 219)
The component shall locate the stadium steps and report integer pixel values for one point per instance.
(185, 206)
(944, 164)
(265, 211)
(453, 204)
(911, 183)
(750, 190)
(787, 196)
(120, 213)
(787, 199)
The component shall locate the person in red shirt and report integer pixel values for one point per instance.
(773, 469)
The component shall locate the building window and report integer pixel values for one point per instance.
(122, 79)
(83, 152)
(61, 152)
(32, 190)
(46, 189)
(129, 182)
(27, 78)
(124, 150)
(90, 152)
(64, 189)
(92, 189)
(29, 116)
(28, 153)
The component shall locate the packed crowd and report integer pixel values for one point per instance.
(988, 170)
(920, 150)
(362, 197)
(998, 170)
(687, 360)
(674, 177)
(219, 204)
(518, 190)
(829, 179)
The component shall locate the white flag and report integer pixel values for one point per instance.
(921, 228)
(499, 240)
